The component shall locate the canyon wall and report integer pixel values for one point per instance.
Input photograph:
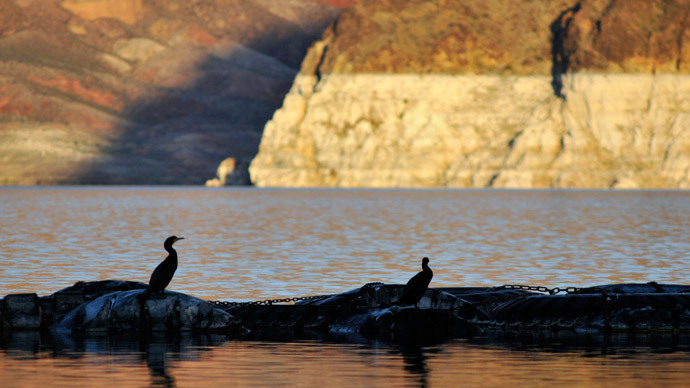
(541, 94)
(144, 91)
(406, 130)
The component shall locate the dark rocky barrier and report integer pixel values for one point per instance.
(110, 306)
(166, 311)
(31, 312)
(113, 305)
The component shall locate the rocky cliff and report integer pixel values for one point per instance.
(134, 91)
(492, 93)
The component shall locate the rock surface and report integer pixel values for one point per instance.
(590, 94)
(231, 172)
(463, 311)
(371, 311)
(167, 311)
(112, 305)
(404, 130)
(367, 311)
(143, 92)
(506, 37)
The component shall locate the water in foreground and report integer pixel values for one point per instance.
(245, 244)
(214, 361)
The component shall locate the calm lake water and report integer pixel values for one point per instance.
(249, 244)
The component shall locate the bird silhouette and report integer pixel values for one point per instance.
(417, 286)
(163, 274)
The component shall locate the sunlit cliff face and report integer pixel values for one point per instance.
(479, 95)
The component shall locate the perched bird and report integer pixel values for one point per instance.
(416, 287)
(163, 274)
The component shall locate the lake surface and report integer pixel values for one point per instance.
(252, 244)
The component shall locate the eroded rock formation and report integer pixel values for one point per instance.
(545, 94)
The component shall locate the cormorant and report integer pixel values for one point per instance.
(416, 287)
(163, 274)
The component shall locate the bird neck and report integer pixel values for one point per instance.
(171, 251)
(425, 267)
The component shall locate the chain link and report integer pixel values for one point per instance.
(268, 302)
(550, 291)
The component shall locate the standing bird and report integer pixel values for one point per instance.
(416, 287)
(163, 274)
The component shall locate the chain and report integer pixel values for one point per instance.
(268, 302)
(550, 291)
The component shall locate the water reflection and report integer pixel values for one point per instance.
(159, 352)
(187, 359)
(415, 359)
(587, 344)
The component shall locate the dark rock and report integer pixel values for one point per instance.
(296, 318)
(92, 290)
(385, 295)
(46, 308)
(22, 311)
(370, 311)
(635, 288)
(366, 311)
(392, 322)
(167, 311)
(407, 323)
(483, 299)
(552, 311)
(601, 312)
(66, 301)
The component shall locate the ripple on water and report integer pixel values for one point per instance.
(249, 243)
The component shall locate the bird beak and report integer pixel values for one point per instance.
(180, 238)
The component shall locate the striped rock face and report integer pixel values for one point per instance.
(576, 94)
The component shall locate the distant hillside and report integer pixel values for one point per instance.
(144, 91)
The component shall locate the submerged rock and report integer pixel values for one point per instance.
(167, 311)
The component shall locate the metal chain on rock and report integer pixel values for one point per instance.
(550, 291)
(268, 302)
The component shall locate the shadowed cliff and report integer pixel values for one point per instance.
(143, 92)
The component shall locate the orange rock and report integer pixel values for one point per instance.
(199, 36)
(75, 88)
(127, 11)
